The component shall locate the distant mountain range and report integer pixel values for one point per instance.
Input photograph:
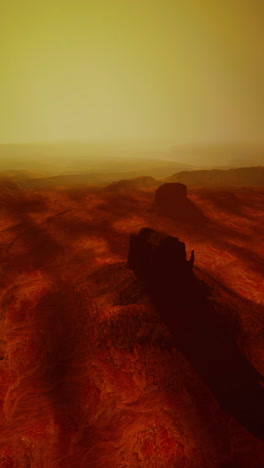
(130, 181)
(153, 159)
(245, 177)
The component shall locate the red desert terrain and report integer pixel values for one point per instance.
(92, 375)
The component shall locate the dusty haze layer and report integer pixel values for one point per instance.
(180, 71)
(124, 159)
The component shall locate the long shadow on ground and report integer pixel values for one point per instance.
(206, 337)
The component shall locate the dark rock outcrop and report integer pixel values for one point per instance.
(171, 200)
(159, 260)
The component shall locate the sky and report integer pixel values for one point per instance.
(183, 71)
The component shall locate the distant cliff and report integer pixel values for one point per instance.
(244, 176)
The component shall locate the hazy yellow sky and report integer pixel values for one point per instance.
(182, 70)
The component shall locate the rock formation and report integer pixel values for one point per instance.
(160, 260)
